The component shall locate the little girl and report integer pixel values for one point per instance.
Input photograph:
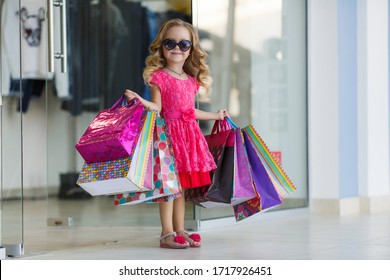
(175, 69)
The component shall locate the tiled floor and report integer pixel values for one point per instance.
(279, 235)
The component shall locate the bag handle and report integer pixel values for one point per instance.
(232, 124)
(225, 125)
(123, 102)
(215, 128)
(221, 125)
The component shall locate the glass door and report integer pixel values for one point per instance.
(14, 88)
(259, 74)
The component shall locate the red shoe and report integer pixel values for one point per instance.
(178, 242)
(193, 239)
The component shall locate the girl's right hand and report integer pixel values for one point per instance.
(130, 95)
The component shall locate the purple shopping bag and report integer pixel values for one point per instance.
(267, 197)
(264, 186)
(243, 182)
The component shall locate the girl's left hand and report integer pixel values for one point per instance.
(222, 114)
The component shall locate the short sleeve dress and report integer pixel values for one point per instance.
(193, 158)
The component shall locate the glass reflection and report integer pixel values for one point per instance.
(257, 56)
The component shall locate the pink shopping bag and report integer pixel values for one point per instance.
(113, 133)
(127, 174)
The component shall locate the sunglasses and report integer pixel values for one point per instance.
(170, 44)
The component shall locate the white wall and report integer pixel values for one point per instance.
(373, 96)
(323, 100)
(373, 190)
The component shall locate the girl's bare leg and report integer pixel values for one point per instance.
(178, 223)
(172, 219)
(166, 214)
(178, 214)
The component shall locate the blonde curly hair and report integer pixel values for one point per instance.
(195, 65)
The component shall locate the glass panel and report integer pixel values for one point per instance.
(257, 58)
(11, 125)
(107, 45)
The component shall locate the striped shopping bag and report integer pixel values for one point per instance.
(138, 169)
(281, 181)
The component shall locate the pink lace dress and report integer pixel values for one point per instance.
(193, 158)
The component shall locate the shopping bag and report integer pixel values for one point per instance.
(139, 171)
(165, 177)
(267, 173)
(221, 145)
(115, 176)
(113, 133)
(267, 197)
(197, 196)
(280, 180)
(243, 188)
(247, 208)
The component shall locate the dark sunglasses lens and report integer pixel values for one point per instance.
(184, 45)
(169, 44)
